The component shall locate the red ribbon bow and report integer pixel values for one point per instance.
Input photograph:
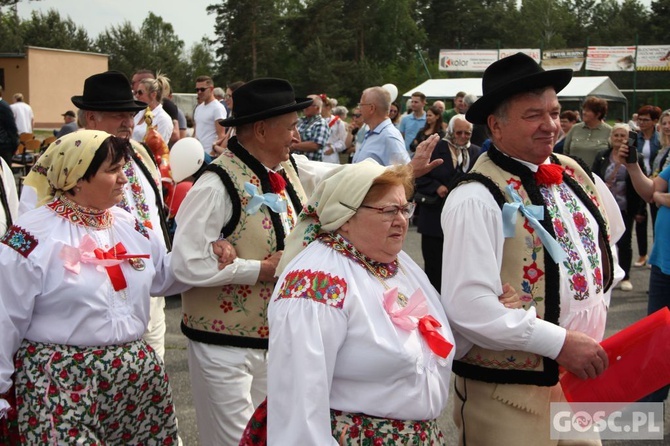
(114, 272)
(428, 326)
(277, 182)
(548, 174)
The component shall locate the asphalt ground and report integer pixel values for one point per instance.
(626, 308)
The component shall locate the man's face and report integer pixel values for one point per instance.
(204, 92)
(417, 104)
(459, 105)
(462, 132)
(530, 128)
(311, 110)
(280, 133)
(439, 105)
(367, 109)
(645, 123)
(119, 124)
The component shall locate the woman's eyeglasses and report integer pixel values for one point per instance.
(390, 212)
(356, 115)
(463, 133)
(139, 92)
(201, 89)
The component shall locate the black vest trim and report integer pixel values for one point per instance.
(5, 203)
(159, 203)
(228, 228)
(207, 337)
(547, 377)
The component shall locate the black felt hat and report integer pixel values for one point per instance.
(509, 76)
(261, 99)
(108, 91)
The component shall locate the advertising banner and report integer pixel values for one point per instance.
(532, 52)
(572, 58)
(610, 58)
(466, 60)
(653, 58)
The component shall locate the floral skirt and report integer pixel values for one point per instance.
(93, 395)
(360, 429)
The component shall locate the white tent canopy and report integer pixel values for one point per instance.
(578, 88)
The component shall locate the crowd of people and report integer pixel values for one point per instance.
(306, 321)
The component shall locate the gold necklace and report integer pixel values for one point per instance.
(402, 298)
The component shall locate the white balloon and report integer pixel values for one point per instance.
(392, 89)
(186, 157)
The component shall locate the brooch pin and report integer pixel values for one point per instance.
(137, 263)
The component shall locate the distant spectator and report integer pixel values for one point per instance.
(568, 119)
(70, 125)
(459, 107)
(9, 135)
(440, 105)
(206, 114)
(228, 98)
(633, 122)
(394, 114)
(433, 125)
(23, 115)
(586, 139)
(479, 134)
(412, 124)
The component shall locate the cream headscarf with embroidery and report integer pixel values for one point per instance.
(349, 184)
(64, 163)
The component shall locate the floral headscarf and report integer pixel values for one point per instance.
(64, 163)
(349, 184)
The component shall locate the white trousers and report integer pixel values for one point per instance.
(227, 384)
(155, 332)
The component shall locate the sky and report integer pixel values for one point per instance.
(188, 18)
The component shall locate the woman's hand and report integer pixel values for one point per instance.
(509, 297)
(225, 253)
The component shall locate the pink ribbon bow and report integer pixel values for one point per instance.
(414, 315)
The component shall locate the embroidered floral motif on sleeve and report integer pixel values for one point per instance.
(20, 240)
(315, 285)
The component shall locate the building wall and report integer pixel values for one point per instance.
(48, 78)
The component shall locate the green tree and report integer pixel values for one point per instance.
(200, 62)
(11, 41)
(50, 30)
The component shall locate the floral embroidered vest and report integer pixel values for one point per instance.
(528, 267)
(234, 314)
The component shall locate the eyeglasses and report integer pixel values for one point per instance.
(356, 115)
(462, 133)
(200, 90)
(139, 92)
(389, 213)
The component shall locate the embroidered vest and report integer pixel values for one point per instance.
(528, 267)
(235, 314)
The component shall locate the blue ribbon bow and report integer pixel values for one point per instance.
(273, 201)
(533, 214)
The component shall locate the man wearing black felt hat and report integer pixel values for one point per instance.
(539, 222)
(251, 195)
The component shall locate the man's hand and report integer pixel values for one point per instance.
(269, 267)
(509, 297)
(225, 253)
(582, 355)
(421, 162)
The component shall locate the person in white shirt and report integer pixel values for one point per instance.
(563, 266)
(77, 274)
(23, 114)
(151, 92)
(207, 113)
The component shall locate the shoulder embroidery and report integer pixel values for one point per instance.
(315, 285)
(20, 240)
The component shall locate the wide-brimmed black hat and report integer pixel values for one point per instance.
(108, 91)
(261, 99)
(509, 76)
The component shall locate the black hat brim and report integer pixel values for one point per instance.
(479, 112)
(300, 104)
(125, 105)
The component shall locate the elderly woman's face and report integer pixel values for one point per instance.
(375, 234)
(104, 189)
(618, 137)
(462, 132)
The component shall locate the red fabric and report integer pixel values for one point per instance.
(548, 174)
(277, 182)
(256, 432)
(333, 121)
(639, 364)
(428, 328)
(115, 274)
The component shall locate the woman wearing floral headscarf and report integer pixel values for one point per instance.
(77, 274)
